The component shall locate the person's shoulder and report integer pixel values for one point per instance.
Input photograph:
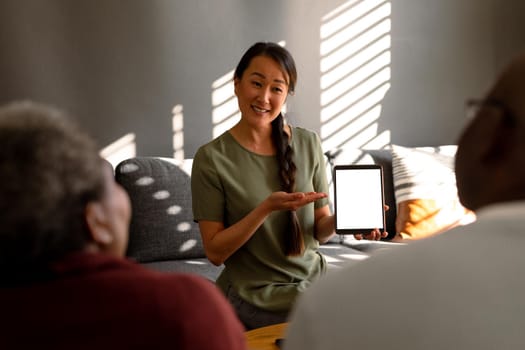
(304, 135)
(303, 132)
(202, 303)
(171, 302)
(215, 145)
(181, 291)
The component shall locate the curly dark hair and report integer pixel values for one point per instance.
(49, 171)
(294, 243)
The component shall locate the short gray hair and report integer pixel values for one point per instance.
(49, 171)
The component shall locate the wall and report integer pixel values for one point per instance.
(509, 25)
(121, 66)
(442, 54)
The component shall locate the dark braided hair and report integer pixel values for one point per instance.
(294, 243)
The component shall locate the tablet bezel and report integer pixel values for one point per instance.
(359, 230)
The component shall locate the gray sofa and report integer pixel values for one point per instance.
(164, 237)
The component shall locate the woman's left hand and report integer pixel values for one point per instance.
(374, 235)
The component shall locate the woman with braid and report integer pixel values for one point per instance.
(259, 195)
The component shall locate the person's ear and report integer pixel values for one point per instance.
(96, 220)
(236, 82)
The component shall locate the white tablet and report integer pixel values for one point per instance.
(358, 199)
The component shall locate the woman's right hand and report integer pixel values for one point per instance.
(292, 201)
(220, 242)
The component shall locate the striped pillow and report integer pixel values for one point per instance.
(424, 172)
(426, 192)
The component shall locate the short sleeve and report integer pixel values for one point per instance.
(206, 189)
(319, 178)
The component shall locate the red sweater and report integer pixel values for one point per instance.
(97, 301)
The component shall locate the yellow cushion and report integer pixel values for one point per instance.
(426, 192)
(420, 218)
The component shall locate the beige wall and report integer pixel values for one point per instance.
(509, 29)
(121, 66)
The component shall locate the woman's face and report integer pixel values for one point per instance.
(261, 91)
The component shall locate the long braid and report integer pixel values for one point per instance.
(294, 242)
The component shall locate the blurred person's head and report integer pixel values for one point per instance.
(490, 161)
(57, 195)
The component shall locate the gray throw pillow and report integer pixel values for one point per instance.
(162, 226)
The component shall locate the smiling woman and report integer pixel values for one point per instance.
(259, 194)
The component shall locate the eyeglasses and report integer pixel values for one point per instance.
(474, 106)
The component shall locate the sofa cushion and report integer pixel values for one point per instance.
(200, 266)
(383, 157)
(162, 226)
(426, 192)
(340, 255)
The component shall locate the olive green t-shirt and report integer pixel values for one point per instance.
(228, 181)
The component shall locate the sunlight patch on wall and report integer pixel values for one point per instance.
(119, 150)
(355, 73)
(177, 122)
(225, 112)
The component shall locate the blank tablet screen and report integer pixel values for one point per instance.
(358, 202)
